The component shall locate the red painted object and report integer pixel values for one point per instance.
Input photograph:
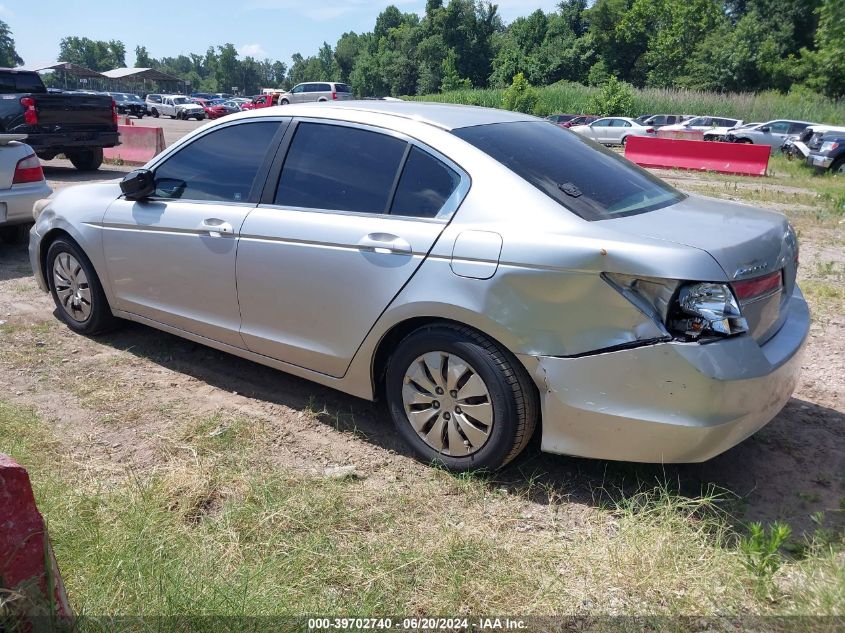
(29, 575)
(138, 144)
(727, 158)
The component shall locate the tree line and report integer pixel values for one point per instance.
(716, 45)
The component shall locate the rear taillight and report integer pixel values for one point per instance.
(30, 115)
(650, 130)
(334, 96)
(114, 111)
(28, 170)
(752, 288)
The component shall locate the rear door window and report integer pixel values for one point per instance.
(591, 181)
(324, 88)
(219, 166)
(342, 88)
(339, 168)
(425, 185)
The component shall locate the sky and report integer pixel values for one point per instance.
(261, 28)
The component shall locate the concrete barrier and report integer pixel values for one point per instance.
(30, 583)
(689, 135)
(726, 158)
(138, 144)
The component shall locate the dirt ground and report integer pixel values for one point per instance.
(114, 398)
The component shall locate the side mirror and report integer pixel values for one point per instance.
(766, 129)
(138, 184)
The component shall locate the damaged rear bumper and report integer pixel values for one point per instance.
(669, 402)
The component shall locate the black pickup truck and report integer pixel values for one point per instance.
(76, 125)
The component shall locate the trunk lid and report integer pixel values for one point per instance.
(746, 242)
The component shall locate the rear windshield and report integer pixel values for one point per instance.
(12, 82)
(590, 180)
(342, 88)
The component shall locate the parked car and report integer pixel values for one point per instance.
(584, 119)
(129, 104)
(232, 105)
(174, 106)
(214, 109)
(560, 119)
(717, 125)
(566, 284)
(772, 133)
(612, 130)
(643, 118)
(22, 183)
(316, 91)
(720, 134)
(657, 121)
(203, 95)
(76, 125)
(829, 155)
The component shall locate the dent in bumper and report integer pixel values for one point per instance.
(670, 402)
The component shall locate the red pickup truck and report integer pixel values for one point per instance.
(262, 101)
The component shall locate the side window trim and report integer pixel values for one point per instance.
(396, 178)
(268, 194)
(261, 175)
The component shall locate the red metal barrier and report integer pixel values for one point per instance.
(138, 144)
(30, 583)
(727, 158)
(689, 135)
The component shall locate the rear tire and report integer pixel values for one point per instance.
(155, 113)
(87, 159)
(71, 277)
(473, 364)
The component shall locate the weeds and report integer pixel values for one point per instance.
(761, 548)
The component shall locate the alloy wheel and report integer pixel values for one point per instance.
(72, 287)
(447, 404)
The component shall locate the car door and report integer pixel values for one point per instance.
(599, 130)
(171, 257)
(326, 251)
(774, 134)
(298, 93)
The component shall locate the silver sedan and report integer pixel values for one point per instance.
(485, 273)
(21, 185)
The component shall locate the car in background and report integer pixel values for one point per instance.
(22, 184)
(704, 124)
(231, 106)
(153, 103)
(771, 133)
(613, 130)
(582, 119)
(479, 269)
(202, 95)
(830, 154)
(720, 134)
(657, 121)
(560, 119)
(317, 91)
(643, 118)
(214, 108)
(129, 104)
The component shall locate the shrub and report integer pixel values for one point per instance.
(520, 96)
(616, 98)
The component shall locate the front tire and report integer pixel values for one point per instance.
(76, 289)
(459, 399)
(284, 102)
(87, 159)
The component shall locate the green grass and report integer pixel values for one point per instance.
(573, 98)
(217, 529)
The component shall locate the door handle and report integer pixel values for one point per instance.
(217, 227)
(385, 243)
